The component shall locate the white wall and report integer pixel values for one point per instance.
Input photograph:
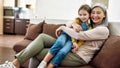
(57, 9)
(67, 9)
(114, 11)
(114, 28)
(9, 3)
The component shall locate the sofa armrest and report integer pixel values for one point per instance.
(20, 45)
(109, 55)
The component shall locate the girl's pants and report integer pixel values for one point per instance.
(60, 48)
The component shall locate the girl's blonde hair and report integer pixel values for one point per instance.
(85, 7)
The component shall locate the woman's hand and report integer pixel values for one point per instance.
(58, 31)
(75, 47)
(76, 27)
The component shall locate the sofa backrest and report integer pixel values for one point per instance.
(50, 29)
(109, 56)
(34, 30)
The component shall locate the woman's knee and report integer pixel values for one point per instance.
(41, 35)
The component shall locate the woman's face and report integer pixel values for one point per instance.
(97, 15)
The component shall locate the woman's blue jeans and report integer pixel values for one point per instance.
(60, 48)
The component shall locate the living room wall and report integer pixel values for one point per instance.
(67, 9)
(114, 11)
(58, 9)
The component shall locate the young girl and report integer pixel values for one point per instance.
(63, 44)
(84, 22)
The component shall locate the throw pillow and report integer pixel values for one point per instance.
(34, 30)
(50, 29)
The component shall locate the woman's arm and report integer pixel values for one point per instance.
(97, 33)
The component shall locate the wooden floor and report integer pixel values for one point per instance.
(6, 44)
(9, 40)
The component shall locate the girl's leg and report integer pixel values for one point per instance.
(61, 54)
(70, 60)
(59, 43)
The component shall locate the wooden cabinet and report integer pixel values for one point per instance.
(9, 25)
(21, 25)
(15, 26)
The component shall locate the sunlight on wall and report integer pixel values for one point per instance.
(9, 3)
(105, 2)
(57, 9)
(114, 11)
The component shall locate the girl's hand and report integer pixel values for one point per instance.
(76, 27)
(58, 31)
(75, 47)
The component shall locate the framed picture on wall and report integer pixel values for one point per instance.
(105, 2)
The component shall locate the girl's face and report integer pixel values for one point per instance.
(84, 15)
(97, 15)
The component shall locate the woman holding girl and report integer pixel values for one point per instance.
(93, 40)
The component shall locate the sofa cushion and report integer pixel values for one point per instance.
(109, 56)
(50, 29)
(34, 30)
